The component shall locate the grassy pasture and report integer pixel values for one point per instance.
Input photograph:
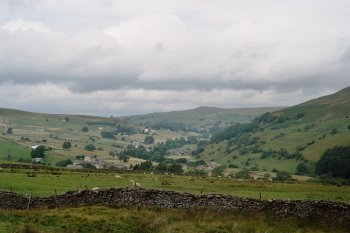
(45, 183)
(135, 220)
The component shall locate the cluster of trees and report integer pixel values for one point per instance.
(160, 168)
(335, 162)
(120, 129)
(149, 140)
(282, 153)
(38, 152)
(234, 131)
(158, 152)
(108, 134)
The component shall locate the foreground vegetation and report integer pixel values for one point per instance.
(105, 219)
(47, 182)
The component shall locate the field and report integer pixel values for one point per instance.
(46, 183)
(50, 130)
(135, 220)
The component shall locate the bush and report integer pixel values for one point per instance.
(9, 131)
(149, 140)
(161, 167)
(64, 163)
(302, 169)
(175, 168)
(244, 174)
(90, 147)
(85, 129)
(147, 165)
(334, 131)
(66, 145)
(107, 134)
(300, 115)
(218, 171)
(282, 176)
(198, 172)
(181, 160)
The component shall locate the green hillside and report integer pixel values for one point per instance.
(329, 107)
(29, 129)
(202, 118)
(285, 138)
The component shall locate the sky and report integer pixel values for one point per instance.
(125, 57)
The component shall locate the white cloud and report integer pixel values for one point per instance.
(22, 25)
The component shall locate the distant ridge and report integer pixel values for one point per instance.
(201, 118)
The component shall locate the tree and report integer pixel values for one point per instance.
(302, 169)
(149, 140)
(175, 168)
(90, 147)
(300, 115)
(9, 131)
(64, 163)
(161, 167)
(282, 176)
(38, 152)
(218, 171)
(85, 129)
(107, 134)
(123, 158)
(67, 145)
(335, 161)
(243, 174)
(147, 165)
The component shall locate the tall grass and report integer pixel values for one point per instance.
(129, 220)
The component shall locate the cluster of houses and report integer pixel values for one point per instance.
(79, 164)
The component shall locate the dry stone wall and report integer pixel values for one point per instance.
(175, 200)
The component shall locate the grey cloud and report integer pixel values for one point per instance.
(218, 47)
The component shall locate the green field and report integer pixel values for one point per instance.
(136, 220)
(45, 183)
(10, 151)
(51, 130)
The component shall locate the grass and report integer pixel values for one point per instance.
(45, 183)
(134, 220)
(10, 151)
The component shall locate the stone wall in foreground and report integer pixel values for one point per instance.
(175, 200)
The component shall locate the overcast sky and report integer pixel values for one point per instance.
(119, 57)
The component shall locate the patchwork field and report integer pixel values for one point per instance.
(48, 182)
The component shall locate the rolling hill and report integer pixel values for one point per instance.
(276, 140)
(199, 119)
(29, 129)
(334, 106)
